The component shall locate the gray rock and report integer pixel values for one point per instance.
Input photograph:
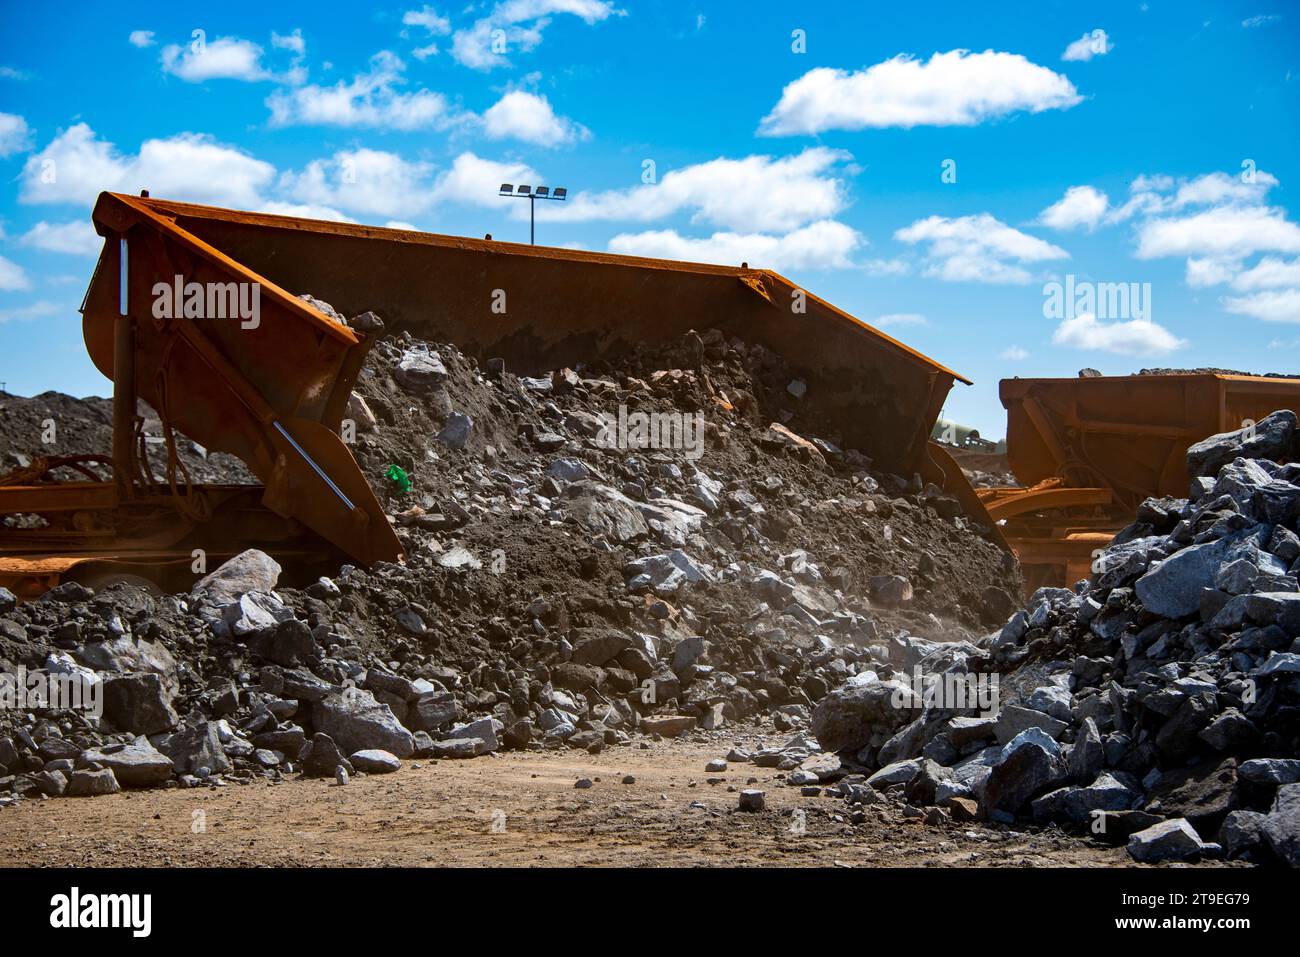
(752, 800)
(249, 571)
(1241, 833)
(1087, 756)
(1026, 773)
(1172, 587)
(194, 749)
(1281, 828)
(135, 765)
(138, 703)
(375, 761)
(456, 432)
(433, 711)
(357, 722)
(86, 783)
(889, 591)
(458, 748)
(570, 470)
(483, 730)
(1231, 731)
(900, 772)
(1271, 440)
(322, 757)
(608, 514)
(1173, 840)
(600, 649)
(861, 713)
(51, 783)
(1078, 804)
(254, 612)
(1270, 770)
(665, 573)
(420, 370)
(1013, 719)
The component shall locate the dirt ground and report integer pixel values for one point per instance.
(518, 809)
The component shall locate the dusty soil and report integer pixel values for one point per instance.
(442, 814)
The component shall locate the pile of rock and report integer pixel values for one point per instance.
(559, 592)
(1157, 703)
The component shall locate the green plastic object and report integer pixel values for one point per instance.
(397, 475)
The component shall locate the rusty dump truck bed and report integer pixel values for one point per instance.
(1087, 451)
(274, 393)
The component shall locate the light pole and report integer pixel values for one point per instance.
(559, 194)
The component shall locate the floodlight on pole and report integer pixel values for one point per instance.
(559, 194)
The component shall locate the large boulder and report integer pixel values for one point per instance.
(1281, 828)
(196, 750)
(87, 783)
(1028, 771)
(357, 722)
(1270, 438)
(1172, 588)
(322, 758)
(863, 712)
(126, 654)
(138, 703)
(135, 765)
(1172, 840)
(249, 571)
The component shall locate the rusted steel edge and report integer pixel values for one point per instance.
(145, 213)
(748, 276)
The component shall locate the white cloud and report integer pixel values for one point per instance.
(12, 276)
(957, 88)
(76, 165)
(1013, 353)
(1080, 206)
(1137, 337)
(364, 181)
(303, 211)
(472, 179)
(433, 23)
(1091, 44)
(725, 192)
(428, 18)
(36, 310)
(293, 42)
(370, 99)
(529, 117)
(1269, 273)
(141, 38)
(1221, 232)
(1274, 305)
(887, 267)
(225, 58)
(900, 319)
(821, 245)
(517, 26)
(13, 134)
(77, 238)
(1209, 271)
(1218, 188)
(1261, 19)
(978, 249)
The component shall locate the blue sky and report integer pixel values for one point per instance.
(1136, 142)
